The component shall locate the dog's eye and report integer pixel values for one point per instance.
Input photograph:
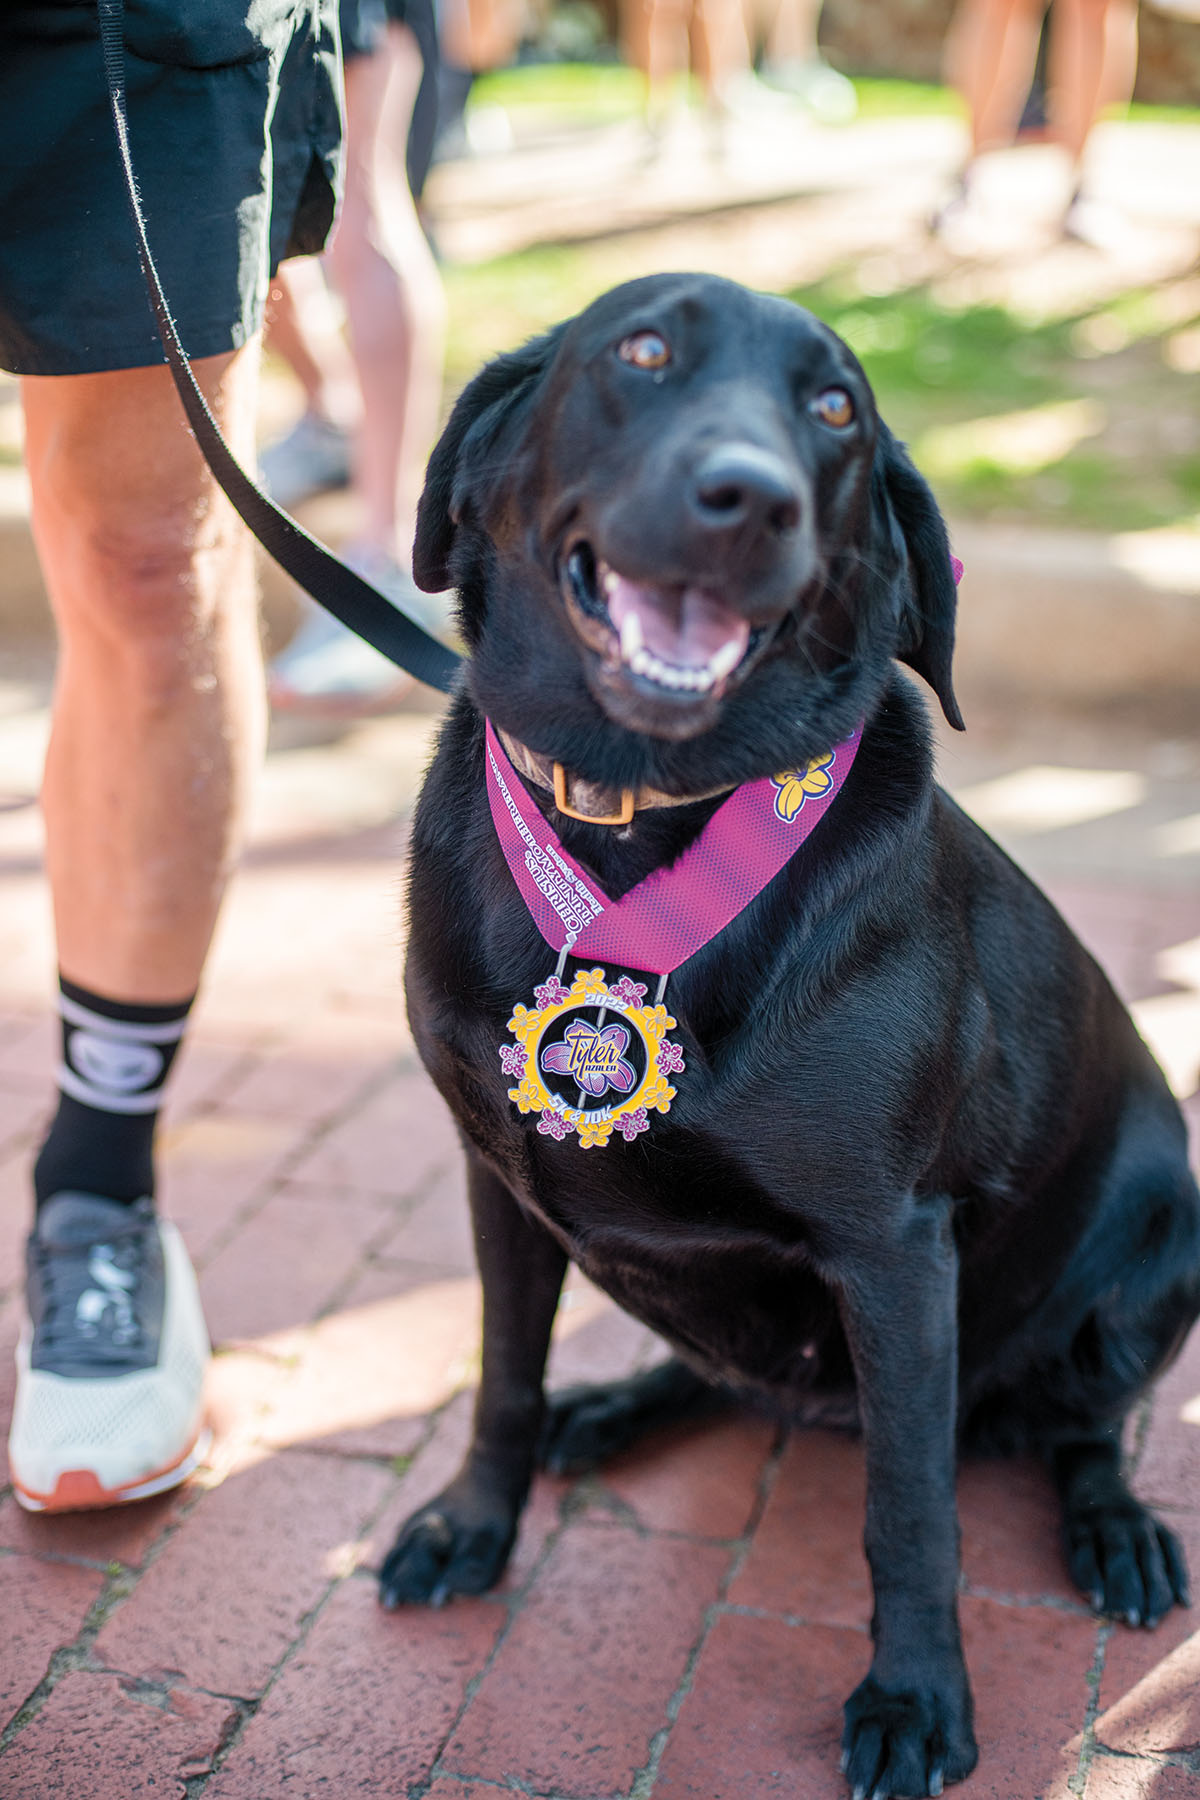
(833, 407)
(645, 350)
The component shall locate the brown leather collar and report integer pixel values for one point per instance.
(591, 801)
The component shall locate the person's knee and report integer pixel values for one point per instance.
(153, 577)
(134, 536)
(147, 561)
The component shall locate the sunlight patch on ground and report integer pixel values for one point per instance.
(1170, 1023)
(1181, 837)
(1045, 797)
(1168, 559)
(1161, 1708)
(392, 1359)
(222, 1140)
(1020, 442)
(1181, 964)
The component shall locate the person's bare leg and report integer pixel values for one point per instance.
(1092, 64)
(395, 307)
(791, 34)
(299, 328)
(654, 41)
(158, 715)
(720, 48)
(991, 53)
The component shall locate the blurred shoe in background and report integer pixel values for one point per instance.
(313, 457)
(327, 671)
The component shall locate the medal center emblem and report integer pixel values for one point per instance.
(593, 1059)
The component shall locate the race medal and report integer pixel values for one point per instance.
(591, 1059)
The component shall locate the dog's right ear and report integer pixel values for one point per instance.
(928, 590)
(465, 456)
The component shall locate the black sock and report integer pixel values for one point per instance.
(115, 1062)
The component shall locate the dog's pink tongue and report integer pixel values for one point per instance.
(685, 627)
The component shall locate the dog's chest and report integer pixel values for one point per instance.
(700, 1253)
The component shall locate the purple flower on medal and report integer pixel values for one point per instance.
(630, 1123)
(552, 1124)
(670, 1058)
(593, 1059)
(512, 1059)
(631, 992)
(550, 992)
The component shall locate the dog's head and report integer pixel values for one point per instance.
(686, 546)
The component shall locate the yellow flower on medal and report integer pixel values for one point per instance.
(658, 1095)
(528, 1097)
(588, 981)
(796, 785)
(594, 1132)
(658, 1020)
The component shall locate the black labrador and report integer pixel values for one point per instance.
(921, 1173)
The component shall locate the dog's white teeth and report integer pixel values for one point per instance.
(691, 680)
(609, 581)
(725, 660)
(631, 635)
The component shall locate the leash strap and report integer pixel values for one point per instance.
(339, 590)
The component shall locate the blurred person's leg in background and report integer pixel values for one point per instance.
(1092, 65)
(666, 40)
(991, 58)
(384, 271)
(991, 54)
(382, 268)
(792, 61)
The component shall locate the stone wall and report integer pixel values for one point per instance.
(904, 37)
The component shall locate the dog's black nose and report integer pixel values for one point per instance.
(740, 484)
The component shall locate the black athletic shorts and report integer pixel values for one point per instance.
(235, 132)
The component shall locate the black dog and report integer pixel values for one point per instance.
(920, 1169)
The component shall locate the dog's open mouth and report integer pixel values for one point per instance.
(674, 640)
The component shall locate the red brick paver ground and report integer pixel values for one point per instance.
(685, 1625)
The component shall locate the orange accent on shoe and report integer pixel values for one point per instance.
(78, 1490)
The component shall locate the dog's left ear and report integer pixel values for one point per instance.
(466, 454)
(930, 599)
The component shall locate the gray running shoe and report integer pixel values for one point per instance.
(326, 671)
(313, 457)
(110, 1366)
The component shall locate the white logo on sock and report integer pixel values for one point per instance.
(111, 1291)
(119, 1068)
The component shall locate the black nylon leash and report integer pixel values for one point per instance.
(338, 589)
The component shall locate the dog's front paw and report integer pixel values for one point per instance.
(908, 1741)
(457, 1544)
(1125, 1560)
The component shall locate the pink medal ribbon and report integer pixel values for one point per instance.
(675, 911)
(595, 1058)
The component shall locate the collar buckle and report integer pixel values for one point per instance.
(564, 806)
